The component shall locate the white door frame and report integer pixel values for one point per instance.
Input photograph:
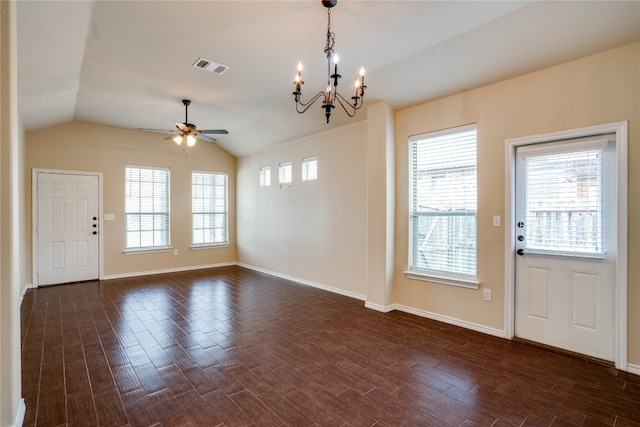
(34, 219)
(620, 129)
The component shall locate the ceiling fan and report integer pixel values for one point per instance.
(188, 132)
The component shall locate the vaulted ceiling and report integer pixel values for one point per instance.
(129, 63)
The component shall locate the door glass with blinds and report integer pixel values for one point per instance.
(443, 203)
(562, 198)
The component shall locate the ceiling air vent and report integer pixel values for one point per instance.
(211, 66)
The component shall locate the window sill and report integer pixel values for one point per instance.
(470, 283)
(210, 246)
(147, 250)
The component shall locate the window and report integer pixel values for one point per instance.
(146, 207)
(209, 208)
(443, 212)
(265, 176)
(310, 168)
(285, 173)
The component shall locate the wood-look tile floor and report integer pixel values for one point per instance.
(232, 347)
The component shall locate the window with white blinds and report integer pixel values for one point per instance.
(563, 201)
(285, 173)
(146, 207)
(443, 204)
(209, 208)
(310, 168)
(265, 176)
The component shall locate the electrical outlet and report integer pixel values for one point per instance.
(486, 294)
(496, 220)
(175, 252)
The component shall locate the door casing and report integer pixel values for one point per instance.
(620, 129)
(34, 219)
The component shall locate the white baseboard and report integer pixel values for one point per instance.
(22, 409)
(439, 317)
(165, 270)
(378, 307)
(305, 282)
(634, 369)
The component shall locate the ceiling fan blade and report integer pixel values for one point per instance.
(170, 137)
(205, 138)
(215, 131)
(158, 130)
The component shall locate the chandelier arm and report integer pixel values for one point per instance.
(308, 104)
(342, 100)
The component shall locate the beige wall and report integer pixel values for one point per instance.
(319, 227)
(598, 89)
(93, 148)
(11, 229)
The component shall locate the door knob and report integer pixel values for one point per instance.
(520, 251)
(520, 238)
(520, 224)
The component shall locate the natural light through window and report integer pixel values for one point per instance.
(310, 168)
(146, 208)
(285, 173)
(265, 176)
(443, 205)
(209, 208)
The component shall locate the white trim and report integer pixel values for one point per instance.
(22, 409)
(444, 280)
(620, 129)
(305, 282)
(446, 319)
(634, 369)
(166, 270)
(380, 308)
(34, 219)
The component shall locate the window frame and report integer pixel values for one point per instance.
(306, 170)
(167, 213)
(433, 275)
(210, 244)
(265, 178)
(281, 167)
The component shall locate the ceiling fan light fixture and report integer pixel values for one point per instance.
(191, 140)
(177, 139)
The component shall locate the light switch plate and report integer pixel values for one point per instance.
(496, 220)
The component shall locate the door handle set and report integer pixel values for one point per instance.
(95, 225)
(520, 237)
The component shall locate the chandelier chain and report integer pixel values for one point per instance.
(331, 37)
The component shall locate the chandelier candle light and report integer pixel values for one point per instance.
(331, 95)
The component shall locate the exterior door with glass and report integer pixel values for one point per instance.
(565, 245)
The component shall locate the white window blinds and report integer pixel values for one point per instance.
(443, 200)
(146, 207)
(563, 200)
(285, 173)
(310, 168)
(209, 208)
(265, 176)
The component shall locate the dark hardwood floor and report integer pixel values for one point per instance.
(232, 347)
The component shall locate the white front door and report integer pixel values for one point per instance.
(565, 232)
(67, 227)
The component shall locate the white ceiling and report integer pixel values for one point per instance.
(129, 63)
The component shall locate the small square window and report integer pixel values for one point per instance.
(310, 168)
(285, 173)
(265, 176)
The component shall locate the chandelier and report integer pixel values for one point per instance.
(330, 97)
